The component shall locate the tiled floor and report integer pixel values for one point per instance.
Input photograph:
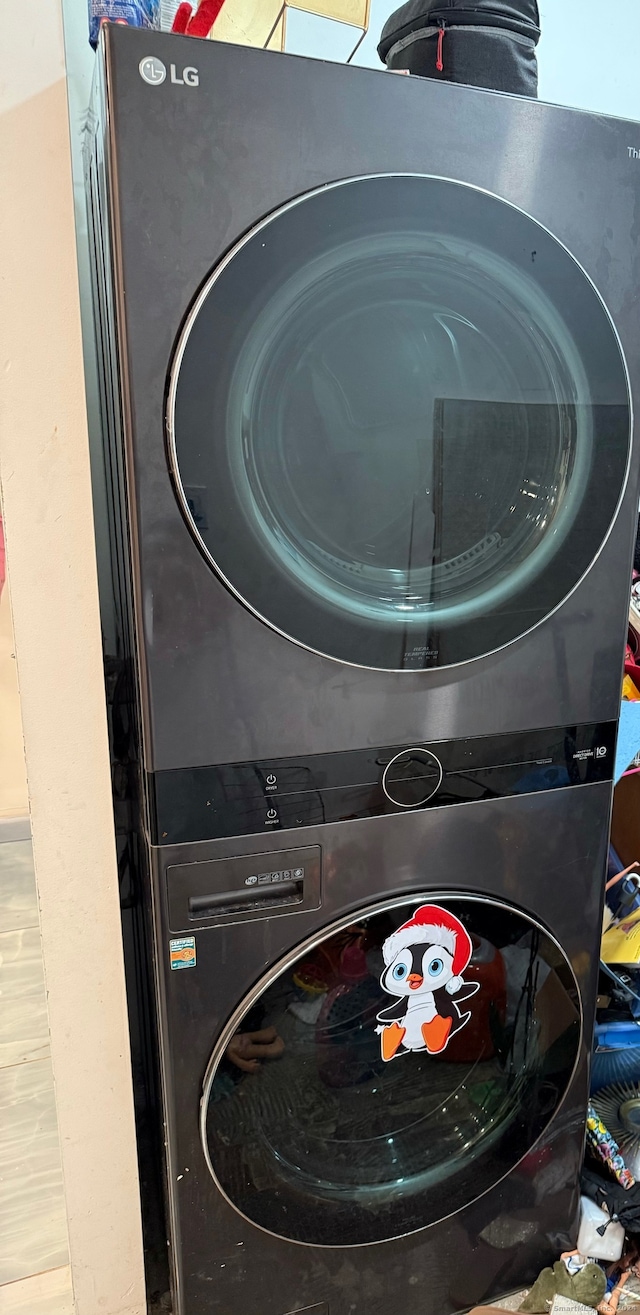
(34, 1273)
(24, 1031)
(44, 1294)
(35, 1278)
(18, 901)
(32, 1218)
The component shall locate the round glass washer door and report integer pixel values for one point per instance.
(400, 1078)
(398, 422)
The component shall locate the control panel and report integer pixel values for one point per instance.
(237, 799)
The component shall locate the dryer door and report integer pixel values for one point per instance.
(388, 1073)
(399, 423)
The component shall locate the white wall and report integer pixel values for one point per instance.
(588, 56)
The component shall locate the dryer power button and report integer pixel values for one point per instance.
(412, 778)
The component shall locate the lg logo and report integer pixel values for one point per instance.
(154, 72)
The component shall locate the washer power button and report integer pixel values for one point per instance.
(412, 778)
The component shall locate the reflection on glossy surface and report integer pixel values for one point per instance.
(416, 454)
(331, 1145)
(419, 421)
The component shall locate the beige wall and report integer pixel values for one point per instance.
(13, 777)
(50, 544)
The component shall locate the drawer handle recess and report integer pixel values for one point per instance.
(249, 897)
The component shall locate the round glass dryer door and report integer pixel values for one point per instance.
(399, 424)
(387, 1074)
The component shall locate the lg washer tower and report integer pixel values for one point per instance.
(369, 346)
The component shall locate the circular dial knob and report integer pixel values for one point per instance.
(412, 777)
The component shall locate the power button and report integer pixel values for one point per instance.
(412, 778)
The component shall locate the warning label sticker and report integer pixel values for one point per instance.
(182, 952)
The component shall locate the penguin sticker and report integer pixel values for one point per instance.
(424, 962)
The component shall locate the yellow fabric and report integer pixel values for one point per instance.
(629, 692)
(622, 944)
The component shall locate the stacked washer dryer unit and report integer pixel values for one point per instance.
(369, 345)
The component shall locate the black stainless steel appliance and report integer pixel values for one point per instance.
(369, 347)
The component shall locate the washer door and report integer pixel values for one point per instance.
(398, 421)
(414, 1057)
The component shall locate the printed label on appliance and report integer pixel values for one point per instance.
(424, 962)
(182, 952)
(267, 878)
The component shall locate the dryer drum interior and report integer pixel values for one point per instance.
(398, 420)
(333, 1144)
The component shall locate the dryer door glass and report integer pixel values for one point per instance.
(398, 419)
(410, 1061)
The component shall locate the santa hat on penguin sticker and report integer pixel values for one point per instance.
(424, 964)
(431, 925)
